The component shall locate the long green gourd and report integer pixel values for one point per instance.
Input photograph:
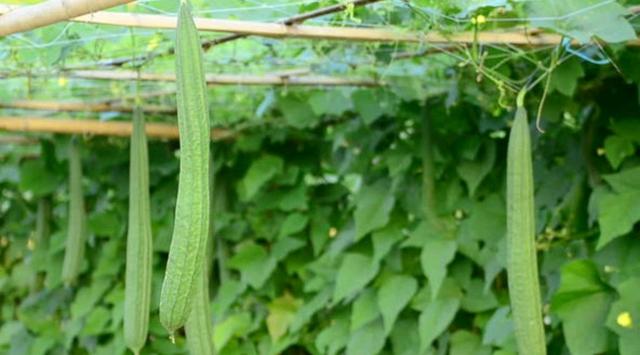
(191, 224)
(198, 328)
(522, 265)
(139, 268)
(76, 237)
(42, 223)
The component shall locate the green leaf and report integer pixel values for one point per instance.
(105, 223)
(370, 105)
(624, 317)
(393, 296)
(405, 339)
(616, 149)
(628, 128)
(96, 321)
(477, 299)
(438, 313)
(373, 206)
(233, 326)
(499, 330)
(355, 272)
(384, 239)
(618, 211)
(364, 309)
(260, 171)
(334, 337)
(564, 78)
(368, 340)
(464, 342)
(582, 303)
(285, 246)
(307, 310)
(228, 293)
(88, 297)
(282, 311)
(329, 102)
(582, 19)
(297, 111)
(294, 223)
(474, 171)
(436, 254)
(36, 178)
(254, 264)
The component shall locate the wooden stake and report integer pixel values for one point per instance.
(95, 127)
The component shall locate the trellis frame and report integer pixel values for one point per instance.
(22, 18)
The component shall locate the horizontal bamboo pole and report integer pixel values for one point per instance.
(95, 127)
(278, 30)
(227, 79)
(319, 32)
(24, 18)
(82, 106)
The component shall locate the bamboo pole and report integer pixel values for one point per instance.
(320, 32)
(25, 18)
(95, 127)
(82, 106)
(276, 30)
(228, 79)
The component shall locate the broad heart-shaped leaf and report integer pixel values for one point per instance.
(334, 337)
(474, 171)
(297, 112)
(254, 263)
(624, 317)
(36, 178)
(405, 339)
(282, 311)
(394, 294)
(373, 205)
(384, 239)
(364, 309)
(305, 312)
(438, 313)
(233, 326)
(582, 302)
(260, 171)
(368, 340)
(294, 223)
(329, 102)
(436, 254)
(564, 78)
(354, 273)
(618, 148)
(464, 342)
(582, 19)
(499, 329)
(619, 210)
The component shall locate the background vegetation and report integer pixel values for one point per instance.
(322, 245)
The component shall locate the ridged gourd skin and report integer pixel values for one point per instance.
(191, 224)
(522, 265)
(198, 329)
(42, 223)
(76, 232)
(139, 267)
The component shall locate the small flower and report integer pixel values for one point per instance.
(624, 320)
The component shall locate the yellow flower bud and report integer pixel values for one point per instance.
(624, 320)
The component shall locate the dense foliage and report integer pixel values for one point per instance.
(356, 220)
